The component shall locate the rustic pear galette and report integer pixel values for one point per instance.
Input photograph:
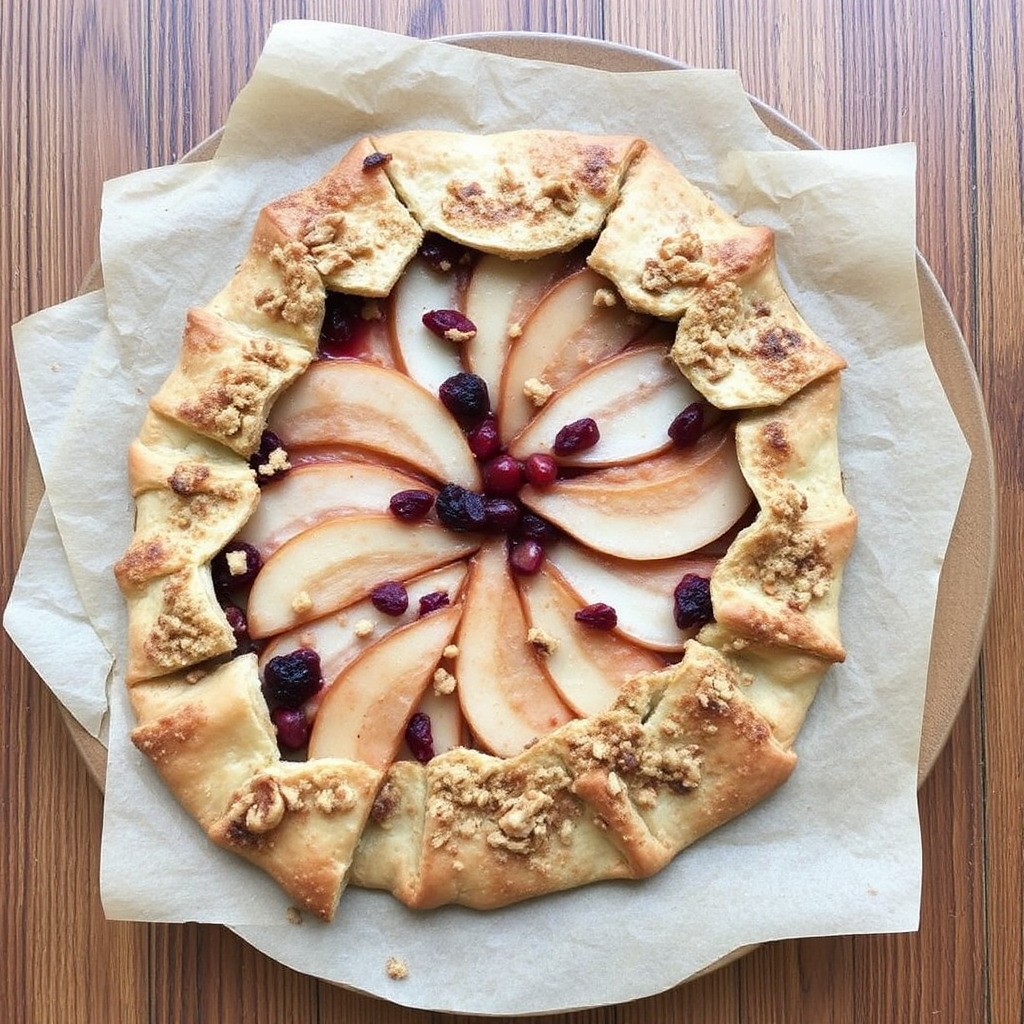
(490, 527)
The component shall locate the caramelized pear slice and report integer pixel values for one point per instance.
(587, 666)
(340, 561)
(570, 330)
(348, 402)
(640, 592)
(633, 397)
(669, 505)
(506, 696)
(364, 714)
(316, 491)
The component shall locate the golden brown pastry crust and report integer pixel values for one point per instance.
(614, 795)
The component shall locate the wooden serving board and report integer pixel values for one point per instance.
(968, 571)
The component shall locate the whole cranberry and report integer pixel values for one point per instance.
(291, 679)
(390, 598)
(460, 509)
(292, 727)
(503, 476)
(541, 470)
(235, 566)
(419, 737)
(484, 440)
(465, 396)
(692, 601)
(686, 428)
(526, 557)
(577, 436)
(597, 616)
(410, 506)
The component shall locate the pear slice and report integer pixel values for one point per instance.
(340, 561)
(640, 592)
(506, 696)
(570, 330)
(341, 637)
(669, 505)
(424, 356)
(316, 491)
(349, 402)
(587, 666)
(633, 397)
(500, 295)
(364, 714)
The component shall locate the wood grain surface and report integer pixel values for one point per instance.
(95, 88)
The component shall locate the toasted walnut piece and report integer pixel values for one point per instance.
(444, 682)
(299, 300)
(605, 297)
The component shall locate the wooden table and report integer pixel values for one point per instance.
(97, 88)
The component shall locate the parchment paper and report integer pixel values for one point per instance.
(837, 849)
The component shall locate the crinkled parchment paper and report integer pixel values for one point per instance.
(837, 849)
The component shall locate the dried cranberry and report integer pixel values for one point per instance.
(342, 322)
(265, 462)
(292, 727)
(375, 160)
(692, 601)
(502, 514)
(526, 557)
(390, 598)
(484, 440)
(541, 470)
(686, 428)
(465, 396)
(461, 510)
(577, 436)
(597, 616)
(240, 627)
(442, 253)
(533, 527)
(291, 679)
(432, 601)
(503, 476)
(449, 324)
(419, 737)
(235, 566)
(410, 506)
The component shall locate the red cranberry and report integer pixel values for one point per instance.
(410, 506)
(597, 616)
(291, 679)
(577, 436)
(442, 253)
(465, 396)
(692, 601)
(292, 727)
(449, 323)
(432, 601)
(390, 598)
(533, 527)
(259, 461)
(419, 737)
(461, 510)
(503, 476)
(686, 428)
(240, 627)
(484, 440)
(227, 569)
(526, 557)
(502, 514)
(541, 470)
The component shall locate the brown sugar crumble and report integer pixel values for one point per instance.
(396, 968)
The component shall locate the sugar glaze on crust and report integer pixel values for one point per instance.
(680, 750)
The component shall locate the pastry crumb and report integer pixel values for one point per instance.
(543, 643)
(238, 563)
(371, 310)
(537, 391)
(444, 682)
(277, 462)
(454, 334)
(302, 602)
(364, 628)
(396, 968)
(294, 915)
(451, 651)
(605, 297)
(515, 330)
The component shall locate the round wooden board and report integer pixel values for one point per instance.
(968, 571)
